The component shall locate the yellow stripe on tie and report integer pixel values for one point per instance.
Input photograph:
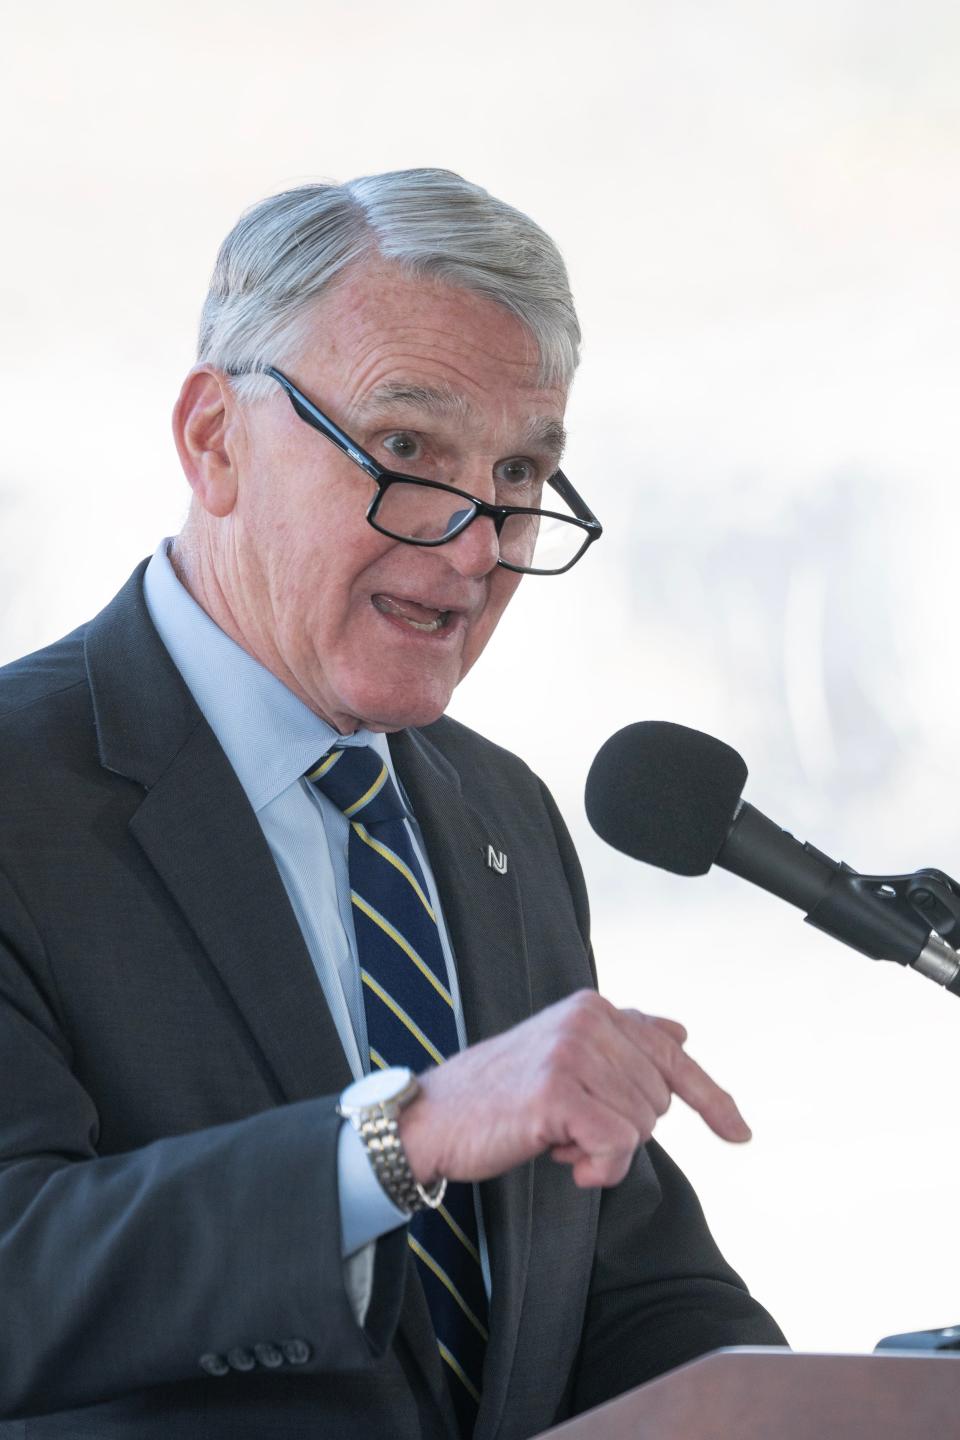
(378, 1059)
(444, 1279)
(405, 946)
(325, 765)
(365, 799)
(402, 1016)
(461, 1236)
(397, 864)
(458, 1370)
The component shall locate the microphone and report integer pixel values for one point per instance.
(671, 797)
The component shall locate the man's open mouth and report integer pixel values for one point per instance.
(419, 617)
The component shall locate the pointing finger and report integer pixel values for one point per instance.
(716, 1106)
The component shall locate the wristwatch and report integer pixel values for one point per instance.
(372, 1104)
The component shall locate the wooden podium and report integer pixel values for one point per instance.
(774, 1394)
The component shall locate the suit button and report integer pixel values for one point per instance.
(298, 1352)
(268, 1355)
(240, 1359)
(214, 1364)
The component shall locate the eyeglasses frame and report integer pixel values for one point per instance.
(383, 478)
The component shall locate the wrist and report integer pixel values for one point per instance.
(414, 1129)
(374, 1105)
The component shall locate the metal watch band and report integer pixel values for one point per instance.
(380, 1133)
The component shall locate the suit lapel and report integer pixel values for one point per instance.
(483, 913)
(196, 827)
(199, 832)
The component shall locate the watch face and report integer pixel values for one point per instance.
(377, 1088)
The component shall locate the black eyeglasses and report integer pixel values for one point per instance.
(418, 511)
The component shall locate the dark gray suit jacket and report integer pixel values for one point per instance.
(168, 1076)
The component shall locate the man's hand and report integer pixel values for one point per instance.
(582, 1079)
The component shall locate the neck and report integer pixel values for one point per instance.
(213, 582)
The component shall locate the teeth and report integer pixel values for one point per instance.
(437, 624)
(419, 617)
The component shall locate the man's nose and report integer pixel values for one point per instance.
(475, 551)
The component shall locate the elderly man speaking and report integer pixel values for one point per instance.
(312, 1122)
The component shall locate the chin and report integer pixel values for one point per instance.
(399, 707)
(383, 691)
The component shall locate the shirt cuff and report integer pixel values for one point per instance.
(365, 1211)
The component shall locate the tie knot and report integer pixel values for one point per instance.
(358, 782)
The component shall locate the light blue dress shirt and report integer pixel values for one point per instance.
(271, 738)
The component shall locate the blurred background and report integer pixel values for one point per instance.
(760, 210)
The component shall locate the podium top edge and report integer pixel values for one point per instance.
(907, 1353)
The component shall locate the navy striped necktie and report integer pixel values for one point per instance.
(411, 1021)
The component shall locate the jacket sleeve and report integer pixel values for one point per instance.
(119, 1272)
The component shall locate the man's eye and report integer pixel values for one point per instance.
(402, 445)
(516, 473)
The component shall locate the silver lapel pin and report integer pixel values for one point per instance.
(497, 860)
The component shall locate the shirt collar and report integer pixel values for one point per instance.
(268, 734)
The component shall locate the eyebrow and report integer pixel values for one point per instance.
(444, 403)
(439, 400)
(548, 433)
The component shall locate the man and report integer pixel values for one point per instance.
(225, 895)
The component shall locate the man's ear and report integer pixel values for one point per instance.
(205, 431)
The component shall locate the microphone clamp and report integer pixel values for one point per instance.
(904, 918)
(910, 919)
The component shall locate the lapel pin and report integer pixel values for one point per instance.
(497, 860)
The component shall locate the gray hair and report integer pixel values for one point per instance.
(285, 251)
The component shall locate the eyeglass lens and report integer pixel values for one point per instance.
(418, 512)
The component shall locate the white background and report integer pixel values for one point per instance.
(759, 206)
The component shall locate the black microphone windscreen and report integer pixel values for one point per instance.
(665, 794)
